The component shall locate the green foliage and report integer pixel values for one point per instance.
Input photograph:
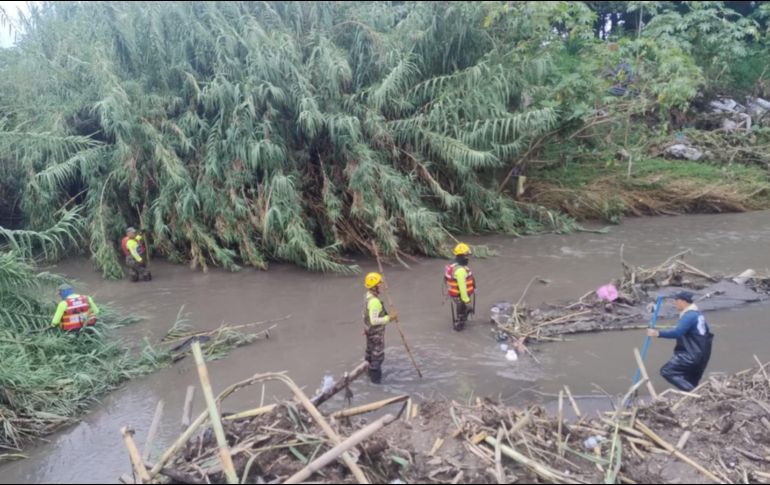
(713, 34)
(47, 377)
(239, 133)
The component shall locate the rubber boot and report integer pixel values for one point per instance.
(375, 376)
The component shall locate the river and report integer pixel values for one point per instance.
(323, 334)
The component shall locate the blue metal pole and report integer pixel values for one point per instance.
(648, 339)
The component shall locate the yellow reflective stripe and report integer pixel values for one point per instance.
(374, 308)
(132, 247)
(60, 310)
(461, 275)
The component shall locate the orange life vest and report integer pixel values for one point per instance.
(452, 285)
(139, 249)
(77, 314)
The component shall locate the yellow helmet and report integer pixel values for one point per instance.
(372, 280)
(462, 249)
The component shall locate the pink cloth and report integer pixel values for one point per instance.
(607, 293)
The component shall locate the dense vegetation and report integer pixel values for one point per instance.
(238, 133)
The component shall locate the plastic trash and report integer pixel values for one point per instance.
(607, 293)
(593, 442)
(501, 312)
(511, 355)
(504, 347)
(327, 384)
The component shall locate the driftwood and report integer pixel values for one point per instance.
(294, 442)
(341, 384)
(153, 431)
(133, 454)
(368, 408)
(341, 448)
(216, 422)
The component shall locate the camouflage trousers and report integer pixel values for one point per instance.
(137, 270)
(375, 349)
(462, 312)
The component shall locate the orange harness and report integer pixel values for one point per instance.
(453, 288)
(77, 314)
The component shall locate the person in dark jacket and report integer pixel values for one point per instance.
(693, 345)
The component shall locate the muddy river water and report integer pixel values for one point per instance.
(323, 334)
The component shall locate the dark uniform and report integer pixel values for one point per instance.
(692, 352)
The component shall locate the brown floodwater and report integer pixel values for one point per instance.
(324, 333)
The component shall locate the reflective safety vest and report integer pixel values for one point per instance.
(373, 329)
(77, 314)
(139, 249)
(453, 288)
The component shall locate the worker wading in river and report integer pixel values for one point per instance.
(461, 286)
(375, 320)
(75, 312)
(693, 345)
(136, 258)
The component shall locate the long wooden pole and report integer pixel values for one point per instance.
(368, 408)
(216, 423)
(136, 457)
(331, 455)
(643, 369)
(391, 305)
(670, 448)
(647, 340)
(153, 431)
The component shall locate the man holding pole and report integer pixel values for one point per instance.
(375, 320)
(693, 345)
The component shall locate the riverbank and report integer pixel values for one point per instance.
(717, 433)
(601, 190)
(50, 378)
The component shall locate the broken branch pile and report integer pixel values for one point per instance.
(638, 289)
(718, 433)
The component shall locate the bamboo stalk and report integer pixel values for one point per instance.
(540, 469)
(341, 384)
(313, 411)
(436, 446)
(628, 395)
(135, 456)
(574, 403)
(331, 455)
(390, 303)
(216, 423)
(251, 413)
(561, 422)
(499, 457)
(179, 443)
(187, 411)
(555, 321)
(668, 447)
(683, 440)
(646, 376)
(368, 408)
(153, 430)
